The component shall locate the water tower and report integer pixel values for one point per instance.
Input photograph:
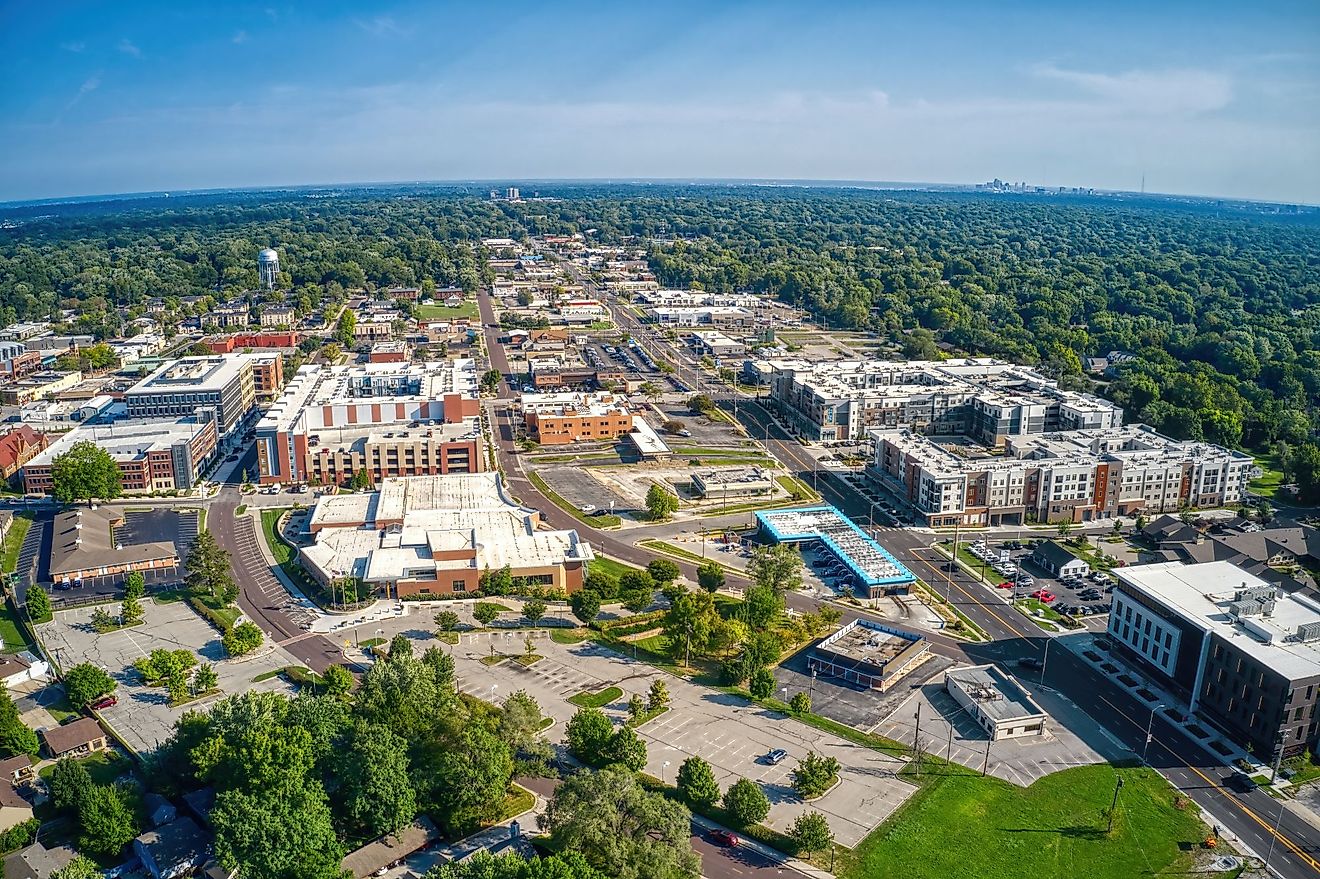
(268, 264)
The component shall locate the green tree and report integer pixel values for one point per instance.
(490, 381)
(15, 736)
(762, 607)
(361, 480)
(208, 570)
(242, 639)
(800, 703)
(205, 678)
(1063, 528)
(485, 612)
(400, 647)
(135, 585)
(81, 867)
(814, 775)
(446, 620)
(620, 828)
(377, 793)
(697, 784)
(84, 683)
(511, 865)
(69, 781)
(585, 605)
(762, 683)
(777, 567)
(689, 622)
(282, 830)
(38, 606)
(657, 696)
(106, 820)
(663, 571)
(811, 833)
(650, 390)
(85, 472)
(345, 327)
(626, 748)
(710, 576)
(660, 502)
(533, 610)
(636, 708)
(130, 611)
(470, 777)
(338, 681)
(701, 403)
(745, 803)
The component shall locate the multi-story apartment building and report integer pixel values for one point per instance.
(1077, 476)
(151, 455)
(38, 386)
(181, 387)
(279, 316)
(560, 419)
(391, 419)
(267, 374)
(984, 398)
(1243, 653)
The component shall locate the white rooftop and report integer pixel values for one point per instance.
(125, 440)
(1202, 594)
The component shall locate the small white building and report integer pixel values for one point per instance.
(997, 702)
(18, 668)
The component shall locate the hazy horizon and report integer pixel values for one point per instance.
(1207, 99)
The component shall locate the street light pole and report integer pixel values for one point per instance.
(1149, 724)
(1045, 661)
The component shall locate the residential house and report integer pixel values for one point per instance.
(18, 770)
(18, 447)
(13, 808)
(38, 862)
(176, 849)
(1056, 559)
(77, 739)
(18, 668)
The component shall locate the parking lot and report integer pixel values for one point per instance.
(581, 489)
(1008, 566)
(1071, 738)
(143, 717)
(724, 730)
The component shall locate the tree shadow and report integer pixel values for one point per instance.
(1082, 832)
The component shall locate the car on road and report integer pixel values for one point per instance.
(105, 702)
(1030, 662)
(1044, 595)
(776, 756)
(724, 837)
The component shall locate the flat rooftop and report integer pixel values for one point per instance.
(868, 560)
(124, 440)
(868, 643)
(317, 386)
(376, 434)
(1203, 594)
(733, 476)
(192, 374)
(999, 696)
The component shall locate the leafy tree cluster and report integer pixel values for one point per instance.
(594, 740)
(105, 815)
(15, 736)
(208, 571)
(85, 683)
(85, 472)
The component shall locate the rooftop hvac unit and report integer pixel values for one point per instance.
(1244, 608)
(1255, 593)
(1307, 632)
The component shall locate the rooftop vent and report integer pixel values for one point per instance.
(1307, 632)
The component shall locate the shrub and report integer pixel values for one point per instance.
(746, 803)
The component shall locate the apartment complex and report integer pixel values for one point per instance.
(391, 419)
(983, 398)
(38, 386)
(1079, 476)
(267, 374)
(560, 419)
(151, 455)
(181, 387)
(1244, 653)
(437, 535)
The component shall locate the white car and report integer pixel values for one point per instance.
(588, 508)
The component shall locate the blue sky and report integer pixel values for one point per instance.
(1204, 98)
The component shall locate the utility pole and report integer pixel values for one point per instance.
(985, 764)
(916, 740)
(1278, 757)
(948, 751)
(1114, 805)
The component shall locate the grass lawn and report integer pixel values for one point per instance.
(647, 715)
(657, 643)
(1269, 483)
(798, 489)
(372, 642)
(14, 540)
(569, 636)
(983, 828)
(61, 708)
(588, 699)
(613, 567)
(516, 801)
(441, 312)
(10, 633)
(670, 549)
(104, 767)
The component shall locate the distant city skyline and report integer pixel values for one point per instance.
(1211, 99)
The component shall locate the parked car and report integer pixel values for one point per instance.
(1044, 595)
(1004, 585)
(776, 756)
(724, 837)
(105, 702)
(1030, 662)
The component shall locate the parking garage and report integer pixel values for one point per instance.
(874, 572)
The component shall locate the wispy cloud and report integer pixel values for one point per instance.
(128, 48)
(240, 38)
(73, 47)
(1186, 91)
(89, 85)
(381, 26)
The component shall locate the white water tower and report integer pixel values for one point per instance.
(268, 264)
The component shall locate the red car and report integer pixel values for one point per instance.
(105, 702)
(1043, 595)
(1005, 585)
(724, 837)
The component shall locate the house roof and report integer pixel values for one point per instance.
(387, 849)
(181, 841)
(10, 799)
(14, 443)
(65, 738)
(1161, 528)
(94, 545)
(12, 764)
(1055, 553)
(12, 664)
(38, 862)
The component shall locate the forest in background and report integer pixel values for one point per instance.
(1220, 306)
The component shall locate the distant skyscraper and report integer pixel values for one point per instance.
(512, 193)
(268, 264)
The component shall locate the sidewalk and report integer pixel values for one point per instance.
(766, 851)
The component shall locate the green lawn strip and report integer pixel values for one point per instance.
(964, 627)
(607, 521)
(670, 549)
(18, 529)
(103, 766)
(1304, 769)
(527, 660)
(986, 828)
(267, 675)
(285, 555)
(797, 489)
(169, 596)
(499, 608)
(657, 644)
(62, 709)
(194, 698)
(568, 459)
(518, 800)
(11, 633)
(302, 676)
(467, 309)
(372, 642)
(221, 616)
(647, 716)
(612, 567)
(447, 637)
(1271, 479)
(569, 636)
(496, 658)
(599, 699)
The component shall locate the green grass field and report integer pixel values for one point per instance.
(102, 766)
(440, 312)
(10, 633)
(1269, 483)
(588, 699)
(984, 828)
(14, 541)
(613, 567)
